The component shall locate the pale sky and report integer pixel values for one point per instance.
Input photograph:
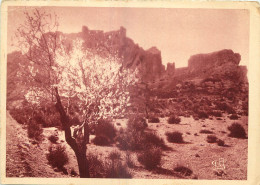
(177, 33)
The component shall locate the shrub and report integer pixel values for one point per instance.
(114, 155)
(117, 170)
(96, 166)
(234, 117)
(154, 120)
(34, 130)
(216, 113)
(129, 161)
(53, 138)
(130, 140)
(105, 128)
(136, 123)
(38, 118)
(150, 157)
(132, 137)
(211, 139)
(220, 142)
(101, 140)
(237, 131)
(183, 170)
(57, 156)
(206, 132)
(202, 114)
(174, 120)
(110, 169)
(52, 120)
(174, 137)
(225, 107)
(151, 139)
(20, 115)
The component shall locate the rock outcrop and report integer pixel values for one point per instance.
(200, 62)
(170, 70)
(148, 61)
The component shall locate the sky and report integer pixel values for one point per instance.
(177, 33)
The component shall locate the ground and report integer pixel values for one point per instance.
(25, 159)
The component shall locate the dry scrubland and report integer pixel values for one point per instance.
(27, 157)
(174, 122)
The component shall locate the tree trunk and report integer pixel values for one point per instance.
(83, 165)
(79, 150)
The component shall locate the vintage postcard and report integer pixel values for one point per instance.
(130, 92)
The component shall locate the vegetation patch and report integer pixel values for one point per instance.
(234, 117)
(237, 131)
(174, 119)
(150, 157)
(174, 137)
(53, 138)
(34, 130)
(212, 139)
(57, 156)
(154, 120)
(105, 128)
(206, 132)
(185, 171)
(101, 140)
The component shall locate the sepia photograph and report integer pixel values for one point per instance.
(127, 92)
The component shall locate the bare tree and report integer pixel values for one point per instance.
(97, 84)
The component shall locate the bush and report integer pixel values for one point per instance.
(101, 140)
(234, 117)
(211, 139)
(53, 138)
(136, 124)
(216, 113)
(150, 157)
(220, 142)
(20, 115)
(174, 137)
(110, 169)
(34, 130)
(206, 132)
(52, 120)
(237, 131)
(129, 161)
(151, 139)
(105, 128)
(202, 114)
(225, 107)
(183, 170)
(57, 156)
(39, 119)
(132, 137)
(114, 155)
(130, 140)
(174, 120)
(117, 170)
(154, 120)
(96, 166)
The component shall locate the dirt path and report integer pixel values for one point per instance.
(24, 159)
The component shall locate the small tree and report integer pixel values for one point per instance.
(61, 72)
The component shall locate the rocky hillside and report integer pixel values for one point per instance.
(212, 72)
(217, 73)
